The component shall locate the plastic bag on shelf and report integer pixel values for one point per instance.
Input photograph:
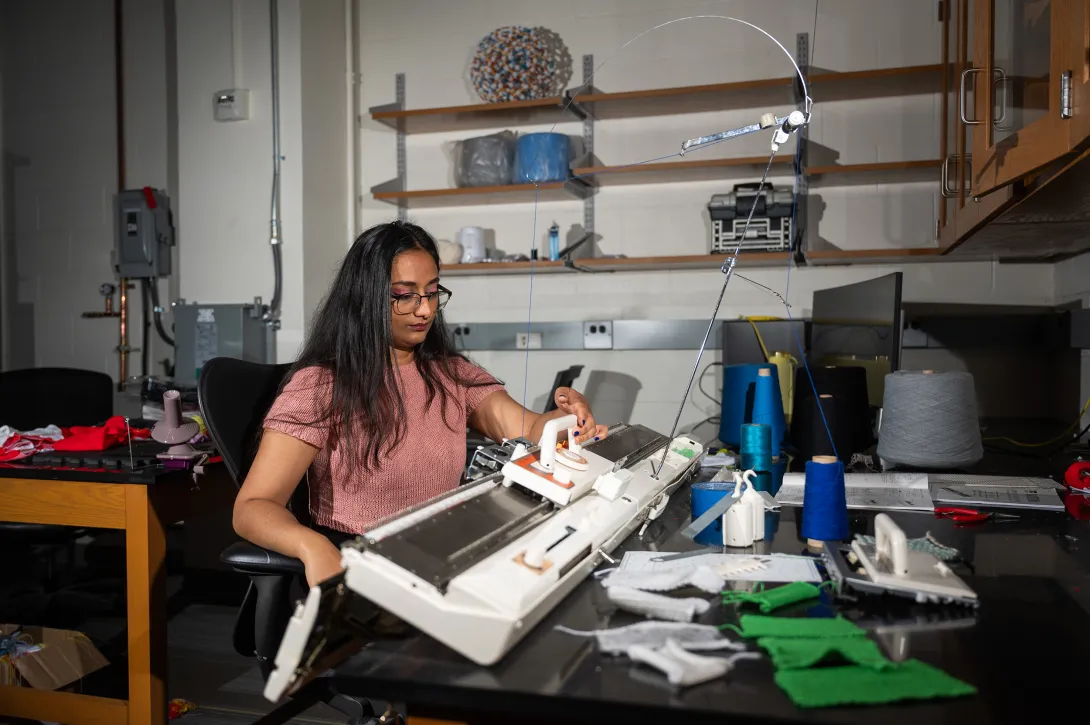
(484, 160)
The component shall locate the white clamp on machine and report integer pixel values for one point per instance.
(478, 567)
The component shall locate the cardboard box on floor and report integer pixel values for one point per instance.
(65, 657)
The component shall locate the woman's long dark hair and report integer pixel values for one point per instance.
(351, 337)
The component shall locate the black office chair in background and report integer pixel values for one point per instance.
(34, 398)
(37, 397)
(234, 396)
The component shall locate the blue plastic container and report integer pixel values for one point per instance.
(541, 158)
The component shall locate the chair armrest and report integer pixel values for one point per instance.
(247, 558)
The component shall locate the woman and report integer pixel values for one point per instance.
(375, 410)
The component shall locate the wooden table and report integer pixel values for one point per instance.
(140, 504)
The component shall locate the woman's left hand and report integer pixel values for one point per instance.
(572, 402)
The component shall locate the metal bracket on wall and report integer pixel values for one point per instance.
(399, 182)
(588, 148)
(802, 193)
(626, 335)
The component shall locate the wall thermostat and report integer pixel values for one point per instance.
(232, 104)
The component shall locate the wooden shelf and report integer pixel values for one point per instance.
(763, 93)
(677, 171)
(480, 195)
(479, 115)
(876, 83)
(620, 264)
(541, 266)
(885, 172)
(758, 94)
(825, 257)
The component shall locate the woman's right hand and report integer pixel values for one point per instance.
(321, 559)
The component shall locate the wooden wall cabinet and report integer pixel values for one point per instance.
(1015, 121)
(1029, 80)
(961, 212)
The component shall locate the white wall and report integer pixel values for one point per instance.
(225, 169)
(60, 176)
(670, 219)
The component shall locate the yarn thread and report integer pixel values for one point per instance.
(738, 398)
(929, 420)
(824, 501)
(848, 386)
(768, 407)
(756, 447)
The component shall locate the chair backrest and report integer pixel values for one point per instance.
(37, 397)
(564, 379)
(234, 396)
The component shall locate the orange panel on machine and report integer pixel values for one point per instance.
(527, 462)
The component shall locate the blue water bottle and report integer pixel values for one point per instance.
(554, 242)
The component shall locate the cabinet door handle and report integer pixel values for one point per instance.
(944, 187)
(1001, 82)
(961, 97)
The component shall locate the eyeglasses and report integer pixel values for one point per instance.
(407, 303)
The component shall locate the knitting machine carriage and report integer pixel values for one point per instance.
(478, 567)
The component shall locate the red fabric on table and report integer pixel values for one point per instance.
(98, 437)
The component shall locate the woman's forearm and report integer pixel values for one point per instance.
(271, 526)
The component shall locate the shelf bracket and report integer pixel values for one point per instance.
(399, 182)
(588, 152)
(402, 164)
(802, 138)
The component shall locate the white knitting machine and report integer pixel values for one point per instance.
(478, 567)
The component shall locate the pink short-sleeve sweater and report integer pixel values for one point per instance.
(428, 460)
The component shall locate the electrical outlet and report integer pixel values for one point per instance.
(598, 335)
(528, 341)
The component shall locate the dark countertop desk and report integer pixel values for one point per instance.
(1026, 648)
(97, 490)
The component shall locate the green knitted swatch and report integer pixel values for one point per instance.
(800, 653)
(768, 600)
(854, 685)
(756, 625)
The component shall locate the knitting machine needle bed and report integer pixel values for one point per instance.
(478, 567)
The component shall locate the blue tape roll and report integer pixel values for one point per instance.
(739, 392)
(779, 467)
(702, 497)
(541, 158)
(824, 502)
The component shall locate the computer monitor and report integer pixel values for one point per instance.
(860, 323)
(742, 339)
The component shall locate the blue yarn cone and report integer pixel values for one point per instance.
(768, 407)
(738, 399)
(824, 502)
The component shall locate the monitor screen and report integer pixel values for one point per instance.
(861, 323)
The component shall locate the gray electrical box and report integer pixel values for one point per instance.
(144, 233)
(202, 332)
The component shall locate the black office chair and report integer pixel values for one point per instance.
(563, 379)
(234, 396)
(37, 397)
(34, 398)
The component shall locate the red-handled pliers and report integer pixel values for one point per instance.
(969, 516)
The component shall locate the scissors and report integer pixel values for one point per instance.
(970, 516)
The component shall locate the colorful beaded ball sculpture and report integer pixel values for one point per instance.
(513, 63)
